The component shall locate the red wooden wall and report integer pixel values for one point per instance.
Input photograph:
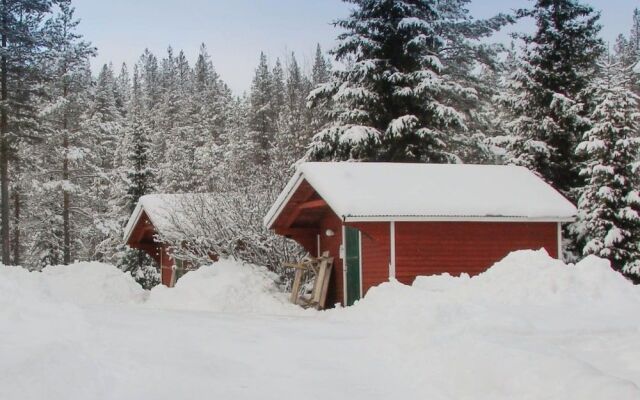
(431, 248)
(166, 269)
(376, 253)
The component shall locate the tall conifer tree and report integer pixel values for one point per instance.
(546, 95)
(69, 56)
(408, 85)
(609, 217)
(22, 46)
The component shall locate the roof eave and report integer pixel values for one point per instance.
(280, 203)
(455, 218)
(133, 221)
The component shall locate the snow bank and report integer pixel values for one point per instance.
(44, 341)
(226, 286)
(525, 288)
(529, 328)
(79, 283)
(535, 278)
(91, 283)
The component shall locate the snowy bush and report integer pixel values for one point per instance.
(228, 225)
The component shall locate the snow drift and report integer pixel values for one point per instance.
(226, 286)
(80, 283)
(524, 281)
(530, 327)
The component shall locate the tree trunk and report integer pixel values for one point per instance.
(16, 227)
(66, 199)
(4, 148)
(4, 196)
(66, 251)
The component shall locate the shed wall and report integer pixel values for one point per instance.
(431, 248)
(375, 253)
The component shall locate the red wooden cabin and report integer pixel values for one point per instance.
(162, 215)
(385, 221)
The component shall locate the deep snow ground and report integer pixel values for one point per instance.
(530, 328)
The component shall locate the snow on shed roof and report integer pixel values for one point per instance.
(401, 191)
(165, 211)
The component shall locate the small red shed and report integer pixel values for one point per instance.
(384, 221)
(162, 215)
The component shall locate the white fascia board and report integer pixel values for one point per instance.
(560, 255)
(392, 248)
(411, 218)
(280, 203)
(132, 223)
(343, 256)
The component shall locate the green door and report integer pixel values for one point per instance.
(352, 261)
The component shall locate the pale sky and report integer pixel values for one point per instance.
(235, 31)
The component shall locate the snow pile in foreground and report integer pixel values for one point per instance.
(524, 280)
(529, 328)
(528, 291)
(226, 286)
(80, 283)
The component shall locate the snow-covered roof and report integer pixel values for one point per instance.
(165, 211)
(401, 191)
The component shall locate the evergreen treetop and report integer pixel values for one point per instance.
(407, 85)
(547, 95)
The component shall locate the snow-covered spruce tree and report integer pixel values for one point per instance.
(631, 52)
(151, 98)
(176, 170)
(544, 100)
(407, 86)
(104, 121)
(20, 78)
(68, 59)
(294, 119)
(627, 49)
(123, 90)
(103, 128)
(262, 113)
(210, 111)
(609, 217)
(320, 74)
(138, 176)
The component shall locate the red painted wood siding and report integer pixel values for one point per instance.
(166, 268)
(431, 248)
(376, 253)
